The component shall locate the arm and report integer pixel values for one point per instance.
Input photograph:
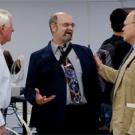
(32, 80)
(131, 130)
(32, 89)
(108, 73)
(130, 99)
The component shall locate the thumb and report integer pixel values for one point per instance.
(37, 91)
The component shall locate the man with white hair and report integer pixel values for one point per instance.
(123, 113)
(6, 30)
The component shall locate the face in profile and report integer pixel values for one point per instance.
(8, 29)
(129, 28)
(6, 32)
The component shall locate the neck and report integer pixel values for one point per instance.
(1, 41)
(118, 34)
(58, 43)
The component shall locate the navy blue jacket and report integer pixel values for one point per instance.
(45, 73)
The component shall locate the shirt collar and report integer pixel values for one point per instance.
(1, 48)
(133, 47)
(55, 47)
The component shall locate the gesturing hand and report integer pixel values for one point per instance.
(40, 100)
(97, 60)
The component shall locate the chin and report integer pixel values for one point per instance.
(69, 39)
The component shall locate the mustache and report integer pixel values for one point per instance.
(68, 32)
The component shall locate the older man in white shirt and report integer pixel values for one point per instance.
(6, 30)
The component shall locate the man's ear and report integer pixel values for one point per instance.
(2, 27)
(53, 27)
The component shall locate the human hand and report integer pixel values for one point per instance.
(18, 63)
(2, 130)
(40, 100)
(97, 60)
(19, 60)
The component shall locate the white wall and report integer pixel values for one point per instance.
(31, 17)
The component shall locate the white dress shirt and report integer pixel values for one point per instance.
(5, 87)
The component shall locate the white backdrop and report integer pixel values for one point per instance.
(30, 18)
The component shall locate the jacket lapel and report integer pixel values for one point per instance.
(80, 56)
(50, 59)
(47, 53)
(122, 71)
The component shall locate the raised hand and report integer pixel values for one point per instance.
(97, 60)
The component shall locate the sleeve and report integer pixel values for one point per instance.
(108, 73)
(131, 130)
(130, 102)
(32, 80)
(2, 122)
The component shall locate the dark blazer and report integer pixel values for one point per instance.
(121, 48)
(45, 73)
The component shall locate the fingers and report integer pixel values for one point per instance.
(18, 63)
(48, 99)
(40, 100)
(39, 97)
(97, 60)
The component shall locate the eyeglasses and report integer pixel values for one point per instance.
(68, 24)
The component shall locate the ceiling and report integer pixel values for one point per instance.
(64, 0)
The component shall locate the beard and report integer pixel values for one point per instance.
(67, 36)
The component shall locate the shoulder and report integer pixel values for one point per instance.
(83, 51)
(109, 40)
(39, 52)
(81, 47)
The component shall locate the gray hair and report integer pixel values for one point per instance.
(133, 15)
(53, 19)
(5, 16)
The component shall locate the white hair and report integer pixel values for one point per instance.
(5, 17)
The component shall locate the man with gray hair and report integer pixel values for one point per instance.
(6, 30)
(66, 98)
